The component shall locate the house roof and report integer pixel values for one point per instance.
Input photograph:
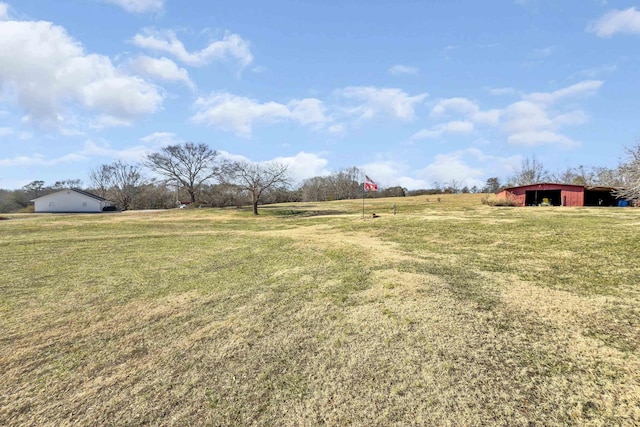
(84, 193)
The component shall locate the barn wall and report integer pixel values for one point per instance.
(514, 194)
(67, 201)
(571, 195)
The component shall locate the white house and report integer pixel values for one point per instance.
(70, 200)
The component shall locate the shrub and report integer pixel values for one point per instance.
(499, 201)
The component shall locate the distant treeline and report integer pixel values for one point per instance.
(216, 184)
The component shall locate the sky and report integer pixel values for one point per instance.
(417, 93)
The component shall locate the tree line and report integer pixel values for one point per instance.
(195, 175)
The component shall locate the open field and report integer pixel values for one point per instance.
(449, 313)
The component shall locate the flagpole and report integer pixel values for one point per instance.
(363, 184)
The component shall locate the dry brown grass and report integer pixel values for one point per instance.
(443, 315)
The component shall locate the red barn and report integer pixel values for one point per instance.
(546, 193)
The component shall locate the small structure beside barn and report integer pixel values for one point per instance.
(71, 201)
(552, 194)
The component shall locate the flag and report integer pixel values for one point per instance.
(369, 185)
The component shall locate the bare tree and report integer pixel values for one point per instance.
(584, 175)
(591, 176)
(345, 183)
(190, 165)
(610, 177)
(452, 187)
(34, 187)
(315, 189)
(630, 171)
(101, 179)
(68, 183)
(340, 185)
(127, 181)
(531, 172)
(256, 178)
(118, 181)
(567, 176)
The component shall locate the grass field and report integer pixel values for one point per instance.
(448, 313)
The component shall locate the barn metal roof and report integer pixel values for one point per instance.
(586, 187)
(84, 193)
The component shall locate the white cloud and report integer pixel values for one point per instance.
(308, 111)
(91, 149)
(447, 168)
(305, 165)
(444, 128)
(457, 166)
(100, 122)
(338, 129)
(5, 131)
(595, 72)
(466, 167)
(4, 12)
(106, 94)
(488, 117)
(237, 114)
(455, 105)
(494, 163)
(47, 72)
(131, 154)
(302, 165)
(412, 183)
(467, 108)
(39, 160)
(529, 123)
(225, 155)
(617, 21)
(524, 116)
(533, 122)
(376, 102)
(583, 88)
(572, 118)
(539, 137)
(162, 69)
(398, 70)
(139, 6)
(384, 172)
(231, 47)
(391, 173)
(160, 139)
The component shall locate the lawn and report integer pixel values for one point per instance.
(448, 313)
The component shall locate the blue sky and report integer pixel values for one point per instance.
(414, 92)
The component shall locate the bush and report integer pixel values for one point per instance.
(499, 201)
(27, 209)
(109, 209)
